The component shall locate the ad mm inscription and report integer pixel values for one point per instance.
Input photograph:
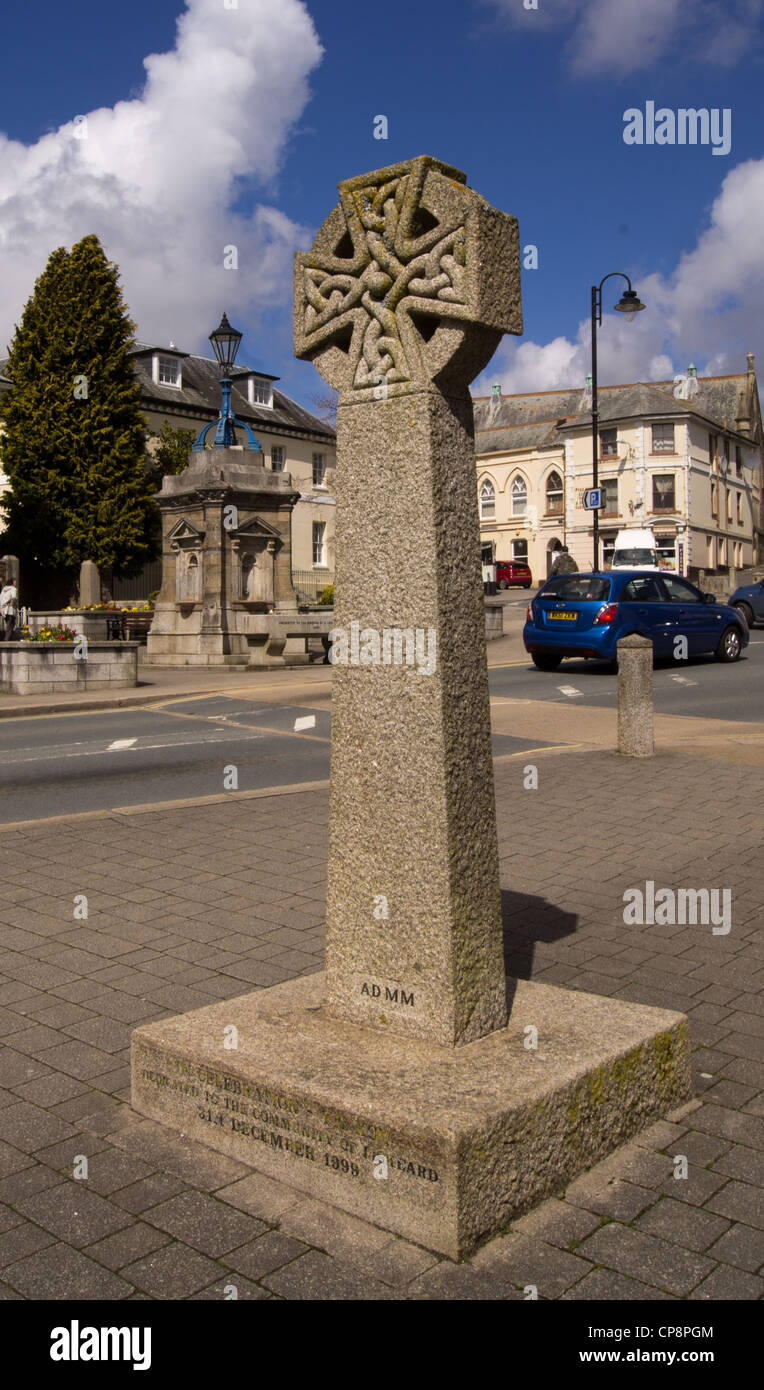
(396, 995)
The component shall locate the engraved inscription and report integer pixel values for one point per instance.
(390, 995)
(283, 1124)
(414, 1170)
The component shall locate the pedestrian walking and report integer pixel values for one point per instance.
(9, 609)
(564, 564)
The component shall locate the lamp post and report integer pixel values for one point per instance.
(225, 342)
(629, 304)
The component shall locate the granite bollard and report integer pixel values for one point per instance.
(400, 1087)
(635, 696)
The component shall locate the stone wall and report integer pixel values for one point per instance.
(724, 585)
(50, 668)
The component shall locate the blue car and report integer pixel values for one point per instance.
(584, 615)
(749, 602)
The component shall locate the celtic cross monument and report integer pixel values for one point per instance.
(396, 1086)
(410, 285)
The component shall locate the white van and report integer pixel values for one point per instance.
(635, 550)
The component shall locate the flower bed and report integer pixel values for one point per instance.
(110, 607)
(60, 633)
(101, 622)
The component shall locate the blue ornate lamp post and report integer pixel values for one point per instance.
(225, 341)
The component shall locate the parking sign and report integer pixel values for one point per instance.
(593, 498)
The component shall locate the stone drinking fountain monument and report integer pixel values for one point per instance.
(227, 597)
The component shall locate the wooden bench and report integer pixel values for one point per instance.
(136, 625)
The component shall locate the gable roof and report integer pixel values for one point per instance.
(540, 419)
(498, 438)
(199, 396)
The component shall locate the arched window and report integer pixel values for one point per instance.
(554, 494)
(192, 578)
(487, 502)
(519, 497)
(248, 576)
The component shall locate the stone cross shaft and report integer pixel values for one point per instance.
(411, 283)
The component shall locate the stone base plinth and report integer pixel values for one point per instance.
(440, 1145)
(260, 639)
(183, 651)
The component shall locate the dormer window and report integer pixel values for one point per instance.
(166, 370)
(260, 392)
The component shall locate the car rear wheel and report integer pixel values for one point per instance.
(545, 661)
(730, 645)
(745, 612)
(503, 584)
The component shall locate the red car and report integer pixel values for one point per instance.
(511, 573)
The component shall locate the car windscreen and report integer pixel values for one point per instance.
(634, 556)
(581, 588)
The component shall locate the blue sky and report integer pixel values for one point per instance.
(240, 135)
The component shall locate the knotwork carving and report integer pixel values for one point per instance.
(392, 271)
(393, 287)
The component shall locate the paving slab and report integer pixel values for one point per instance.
(561, 910)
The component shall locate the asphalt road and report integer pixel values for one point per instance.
(702, 686)
(57, 764)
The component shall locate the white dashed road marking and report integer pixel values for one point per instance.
(55, 754)
(569, 690)
(121, 743)
(307, 721)
(682, 680)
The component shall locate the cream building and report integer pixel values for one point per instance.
(683, 458)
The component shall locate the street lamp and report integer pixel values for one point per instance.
(225, 342)
(629, 305)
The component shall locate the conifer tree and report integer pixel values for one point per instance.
(74, 440)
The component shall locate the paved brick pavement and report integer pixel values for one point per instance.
(196, 904)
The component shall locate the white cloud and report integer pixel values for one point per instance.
(708, 312)
(157, 177)
(619, 36)
(616, 37)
